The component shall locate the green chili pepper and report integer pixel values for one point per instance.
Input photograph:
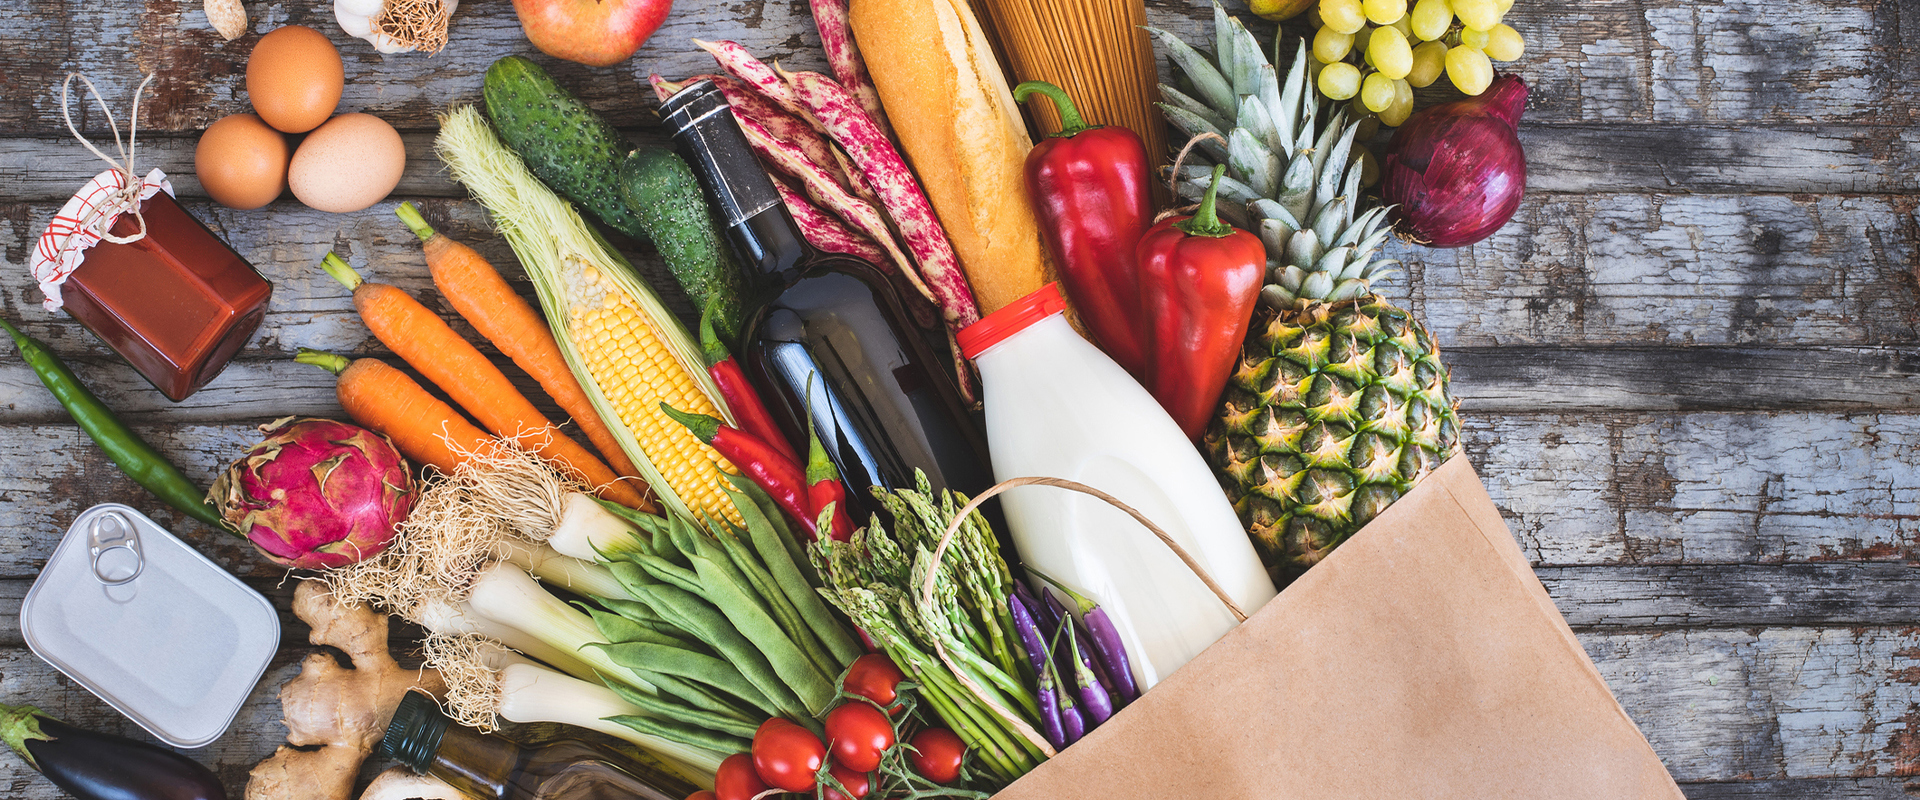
(134, 456)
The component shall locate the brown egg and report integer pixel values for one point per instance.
(349, 163)
(294, 78)
(241, 162)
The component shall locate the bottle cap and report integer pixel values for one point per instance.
(415, 733)
(1012, 318)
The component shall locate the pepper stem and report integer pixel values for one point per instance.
(1070, 122)
(410, 216)
(704, 427)
(19, 725)
(341, 271)
(1206, 222)
(711, 348)
(330, 362)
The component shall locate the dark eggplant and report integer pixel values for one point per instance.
(97, 766)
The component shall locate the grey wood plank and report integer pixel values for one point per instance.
(1798, 707)
(1671, 597)
(1531, 378)
(1494, 380)
(1620, 156)
(1829, 789)
(1588, 489)
(1769, 704)
(1677, 270)
(1609, 269)
(1561, 158)
(203, 78)
(1703, 488)
(1726, 62)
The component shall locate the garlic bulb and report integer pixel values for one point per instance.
(422, 26)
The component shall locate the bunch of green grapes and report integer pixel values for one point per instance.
(1376, 53)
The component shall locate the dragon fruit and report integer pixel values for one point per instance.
(317, 493)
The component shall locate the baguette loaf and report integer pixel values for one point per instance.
(961, 131)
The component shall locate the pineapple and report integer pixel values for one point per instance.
(1339, 403)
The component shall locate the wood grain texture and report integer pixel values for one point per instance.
(1721, 61)
(1690, 367)
(1705, 488)
(1578, 490)
(1562, 158)
(1806, 708)
(1603, 270)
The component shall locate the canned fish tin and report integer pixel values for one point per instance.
(149, 625)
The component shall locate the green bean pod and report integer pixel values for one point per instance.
(687, 664)
(128, 451)
(814, 689)
(777, 601)
(621, 630)
(696, 616)
(691, 735)
(770, 542)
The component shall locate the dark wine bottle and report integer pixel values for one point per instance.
(491, 767)
(829, 337)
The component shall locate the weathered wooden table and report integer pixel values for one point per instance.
(1688, 365)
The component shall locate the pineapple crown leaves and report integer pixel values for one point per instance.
(1291, 172)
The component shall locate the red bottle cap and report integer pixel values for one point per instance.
(1012, 318)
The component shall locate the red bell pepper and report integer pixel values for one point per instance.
(739, 395)
(1202, 277)
(1089, 187)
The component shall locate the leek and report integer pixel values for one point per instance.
(507, 595)
(444, 618)
(557, 569)
(530, 693)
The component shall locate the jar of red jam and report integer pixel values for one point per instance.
(177, 303)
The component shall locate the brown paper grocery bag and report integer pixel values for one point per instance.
(1422, 659)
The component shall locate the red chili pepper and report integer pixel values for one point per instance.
(824, 486)
(1202, 278)
(734, 389)
(1089, 186)
(759, 461)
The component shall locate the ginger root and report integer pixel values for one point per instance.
(343, 711)
(399, 783)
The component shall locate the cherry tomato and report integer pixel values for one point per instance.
(857, 783)
(940, 752)
(701, 795)
(858, 733)
(786, 755)
(736, 779)
(873, 676)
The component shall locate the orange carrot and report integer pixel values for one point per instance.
(431, 346)
(476, 290)
(386, 400)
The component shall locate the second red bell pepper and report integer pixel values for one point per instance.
(1089, 187)
(1201, 278)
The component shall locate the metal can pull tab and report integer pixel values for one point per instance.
(114, 548)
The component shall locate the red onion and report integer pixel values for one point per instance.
(1455, 172)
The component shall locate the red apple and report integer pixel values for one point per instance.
(597, 33)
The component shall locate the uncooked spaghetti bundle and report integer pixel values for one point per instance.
(1095, 50)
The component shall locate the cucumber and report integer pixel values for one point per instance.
(661, 191)
(571, 149)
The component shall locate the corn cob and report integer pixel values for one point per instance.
(628, 351)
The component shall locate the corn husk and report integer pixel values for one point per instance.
(551, 240)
